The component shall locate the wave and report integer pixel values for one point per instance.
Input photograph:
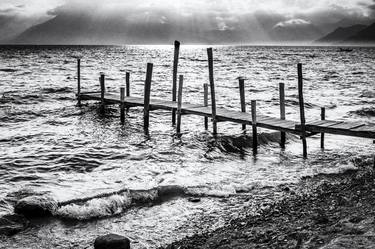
(239, 144)
(365, 111)
(57, 90)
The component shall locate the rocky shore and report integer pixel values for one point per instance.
(326, 211)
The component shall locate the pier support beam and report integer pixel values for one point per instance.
(323, 117)
(241, 82)
(102, 91)
(282, 112)
(212, 84)
(175, 68)
(254, 125)
(127, 80)
(302, 109)
(147, 91)
(179, 104)
(79, 82)
(122, 105)
(205, 103)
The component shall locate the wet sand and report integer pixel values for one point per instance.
(326, 211)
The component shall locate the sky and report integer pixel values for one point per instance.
(218, 18)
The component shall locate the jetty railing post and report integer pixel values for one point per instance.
(102, 91)
(127, 80)
(174, 86)
(179, 104)
(241, 82)
(254, 125)
(323, 117)
(79, 81)
(147, 91)
(302, 109)
(212, 84)
(282, 112)
(205, 103)
(122, 105)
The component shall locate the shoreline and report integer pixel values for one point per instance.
(324, 211)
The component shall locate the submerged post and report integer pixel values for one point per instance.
(179, 104)
(174, 87)
(127, 79)
(241, 82)
(254, 125)
(282, 112)
(323, 117)
(205, 103)
(302, 109)
(102, 91)
(79, 81)
(147, 91)
(212, 84)
(122, 105)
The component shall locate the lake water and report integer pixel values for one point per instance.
(50, 146)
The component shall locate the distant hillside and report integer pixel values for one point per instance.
(366, 35)
(341, 34)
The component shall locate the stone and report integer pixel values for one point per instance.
(194, 199)
(112, 241)
(36, 206)
(350, 242)
(11, 224)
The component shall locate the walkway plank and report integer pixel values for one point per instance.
(355, 129)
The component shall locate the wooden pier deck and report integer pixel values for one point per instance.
(178, 108)
(198, 110)
(354, 129)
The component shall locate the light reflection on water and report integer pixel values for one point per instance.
(49, 144)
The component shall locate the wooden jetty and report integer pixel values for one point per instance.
(177, 107)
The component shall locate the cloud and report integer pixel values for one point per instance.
(245, 20)
(292, 23)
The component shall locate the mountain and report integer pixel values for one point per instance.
(366, 35)
(341, 34)
(86, 29)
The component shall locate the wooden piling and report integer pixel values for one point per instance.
(302, 109)
(254, 125)
(102, 91)
(79, 81)
(179, 104)
(323, 117)
(127, 80)
(212, 84)
(241, 82)
(147, 91)
(175, 68)
(205, 102)
(282, 112)
(122, 105)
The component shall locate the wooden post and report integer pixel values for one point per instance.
(205, 102)
(282, 112)
(302, 109)
(212, 84)
(323, 117)
(174, 87)
(102, 91)
(79, 81)
(241, 82)
(254, 125)
(122, 105)
(179, 104)
(146, 112)
(127, 79)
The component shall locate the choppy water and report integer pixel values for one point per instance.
(49, 145)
